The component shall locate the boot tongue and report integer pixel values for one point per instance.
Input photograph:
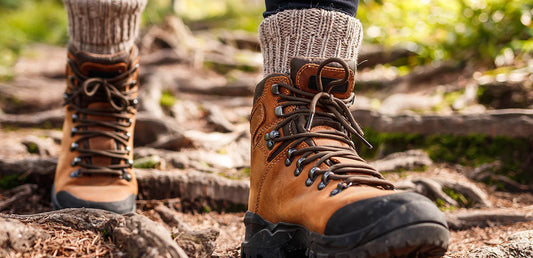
(103, 66)
(304, 74)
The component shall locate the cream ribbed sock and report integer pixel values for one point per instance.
(309, 33)
(103, 26)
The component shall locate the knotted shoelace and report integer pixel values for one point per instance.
(322, 108)
(115, 91)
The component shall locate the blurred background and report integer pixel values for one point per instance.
(495, 33)
(452, 78)
(444, 93)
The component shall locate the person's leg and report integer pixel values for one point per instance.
(94, 166)
(310, 192)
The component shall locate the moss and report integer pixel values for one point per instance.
(458, 197)
(206, 209)
(104, 233)
(32, 148)
(167, 99)
(147, 162)
(10, 181)
(515, 154)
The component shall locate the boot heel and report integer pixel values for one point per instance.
(264, 239)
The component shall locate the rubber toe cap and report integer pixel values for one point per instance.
(64, 199)
(375, 216)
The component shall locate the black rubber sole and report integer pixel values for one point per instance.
(265, 239)
(121, 207)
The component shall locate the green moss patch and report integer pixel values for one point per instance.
(515, 154)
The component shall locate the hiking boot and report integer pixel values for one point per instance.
(94, 169)
(311, 194)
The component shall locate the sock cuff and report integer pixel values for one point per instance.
(310, 33)
(103, 26)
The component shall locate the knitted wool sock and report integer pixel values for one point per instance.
(103, 26)
(309, 33)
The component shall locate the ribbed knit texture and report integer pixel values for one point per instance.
(308, 33)
(103, 26)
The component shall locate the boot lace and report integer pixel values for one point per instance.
(117, 92)
(322, 108)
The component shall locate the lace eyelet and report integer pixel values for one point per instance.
(128, 135)
(75, 117)
(311, 176)
(73, 131)
(128, 149)
(325, 180)
(341, 186)
(274, 134)
(75, 161)
(278, 111)
(270, 144)
(130, 162)
(288, 160)
(126, 176)
(297, 171)
(275, 89)
(134, 102)
(299, 162)
(65, 96)
(75, 173)
(74, 146)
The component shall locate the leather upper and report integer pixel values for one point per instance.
(276, 194)
(97, 187)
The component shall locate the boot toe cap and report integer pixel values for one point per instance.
(64, 199)
(376, 216)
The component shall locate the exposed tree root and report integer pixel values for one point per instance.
(133, 234)
(487, 218)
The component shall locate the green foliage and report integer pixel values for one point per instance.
(24, 22)
(471, 150)
(444, 29)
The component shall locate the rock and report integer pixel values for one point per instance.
(519, 244)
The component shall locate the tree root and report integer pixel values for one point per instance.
(487, 218)
(133, 234)
(464, 194)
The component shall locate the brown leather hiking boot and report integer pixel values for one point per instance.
(94, 166)
(310, 192)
